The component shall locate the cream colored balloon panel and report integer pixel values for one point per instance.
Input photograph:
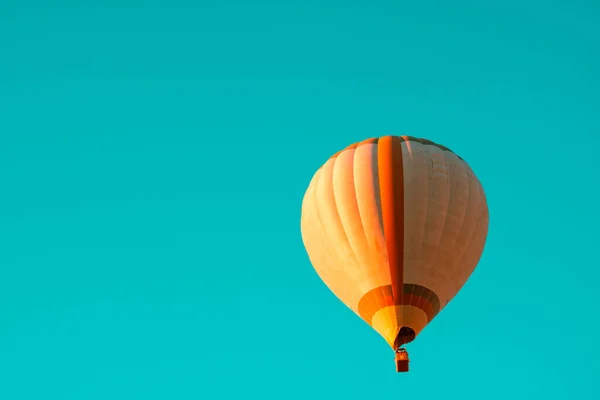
(452, 174)
(346, 188)
(463, 249)
(444, 223)
(349, 269)
(366, 180)
(437, 207)
(344, 196)
(418, 215)
(447, 273)
(332, 224)
(416, 193)
(337, 259)
(476, 242)
(323, 255)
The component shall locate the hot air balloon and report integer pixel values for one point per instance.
(394, 226)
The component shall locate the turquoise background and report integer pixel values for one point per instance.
(153, 159)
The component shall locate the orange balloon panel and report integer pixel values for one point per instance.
(395, 226)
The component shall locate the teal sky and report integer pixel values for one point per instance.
(153, 159)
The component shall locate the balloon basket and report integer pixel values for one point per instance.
(401, 360)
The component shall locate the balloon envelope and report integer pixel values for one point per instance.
(394, 226)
